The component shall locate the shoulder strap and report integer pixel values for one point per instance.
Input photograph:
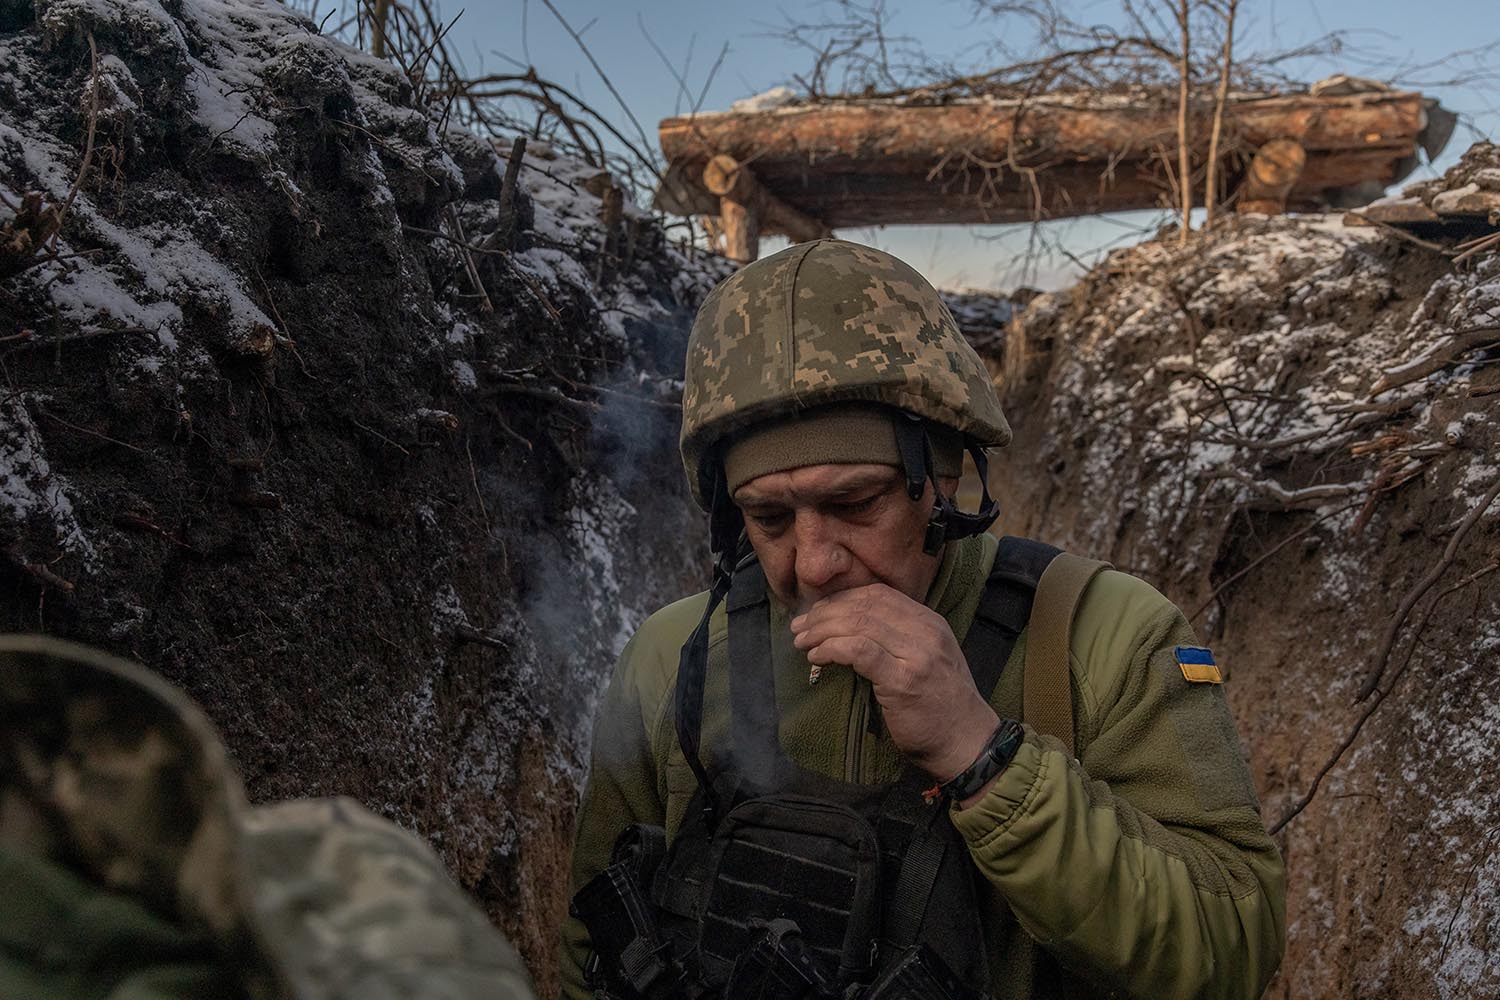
(1047, 701)
(1004, 607)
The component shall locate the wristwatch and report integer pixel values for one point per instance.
(996, 756)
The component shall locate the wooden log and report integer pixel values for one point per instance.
(846, 136)
(1274, 171)
(724, 176)
(730, 180)
(1398, 212)
(849, 199)
(740, 222)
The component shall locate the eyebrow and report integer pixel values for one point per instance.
(857, 485)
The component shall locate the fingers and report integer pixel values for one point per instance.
(873, 600)
(903, 627)
(891, 638)
(860, 653)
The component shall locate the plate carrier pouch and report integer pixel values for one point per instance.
(862, 891)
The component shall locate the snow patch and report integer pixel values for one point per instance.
(28, 486)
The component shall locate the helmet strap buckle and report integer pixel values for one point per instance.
(936, 535)
(946, 523)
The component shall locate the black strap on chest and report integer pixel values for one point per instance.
(1005, 607)
(1003, 610)
(756, 751)
(923, 854)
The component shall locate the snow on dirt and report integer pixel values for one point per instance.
(1282, 425)
(294, 413)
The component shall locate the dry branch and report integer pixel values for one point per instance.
(1450, 553)
(1359, 724)
(1307, 496)
(1211, 179)
(1437, 357)
(38, 571)
(465, 633)
(1184, 140)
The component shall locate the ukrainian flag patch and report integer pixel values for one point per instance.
(1198, 665)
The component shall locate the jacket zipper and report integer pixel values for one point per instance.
(859, 724)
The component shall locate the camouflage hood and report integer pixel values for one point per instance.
(826, 322)
(109, 770)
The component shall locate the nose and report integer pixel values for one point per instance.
(821, 555)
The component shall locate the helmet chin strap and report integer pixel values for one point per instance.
(946, 523)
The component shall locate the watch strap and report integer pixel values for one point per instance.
(996, 756)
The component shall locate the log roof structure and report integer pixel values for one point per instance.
(806, 169)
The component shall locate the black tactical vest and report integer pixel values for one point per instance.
(786, 883)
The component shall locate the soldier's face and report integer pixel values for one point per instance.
(821, 529)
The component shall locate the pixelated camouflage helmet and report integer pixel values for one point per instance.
(827, 322)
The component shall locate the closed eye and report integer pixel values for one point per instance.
(857, 506)
(767, 519)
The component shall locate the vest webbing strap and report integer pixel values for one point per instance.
(1003, 610)
(1047, 699)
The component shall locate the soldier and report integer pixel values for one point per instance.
(887, 755)
(131, 865)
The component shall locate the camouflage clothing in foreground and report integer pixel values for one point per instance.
(133, 867)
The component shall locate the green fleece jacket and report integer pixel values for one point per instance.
(1140, 869)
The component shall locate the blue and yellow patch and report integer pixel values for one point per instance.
(1198, 665)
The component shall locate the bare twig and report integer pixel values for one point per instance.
(464, 632)
(485, 305)
(1463, 895)
(371, 430)
(38, 571)
(1211, 182)
(34, 341)
(546, 395)
(1450, 553)
(84, 430)
(511, 433)
(1184, 85)
(144, 525)
(1403, 234)
(1313, 496)
(1262, 558)
(88, 144)
(478, 495)
(1478, 246)
(1438, 357)
(609, 84)
(1364, 717)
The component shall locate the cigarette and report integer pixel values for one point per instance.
(813, 675)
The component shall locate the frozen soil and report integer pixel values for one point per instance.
(1275, 426)
(260, 429)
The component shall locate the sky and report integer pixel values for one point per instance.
(1424, 43)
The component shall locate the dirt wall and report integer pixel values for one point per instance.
(298, 407)
(1277, 426)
